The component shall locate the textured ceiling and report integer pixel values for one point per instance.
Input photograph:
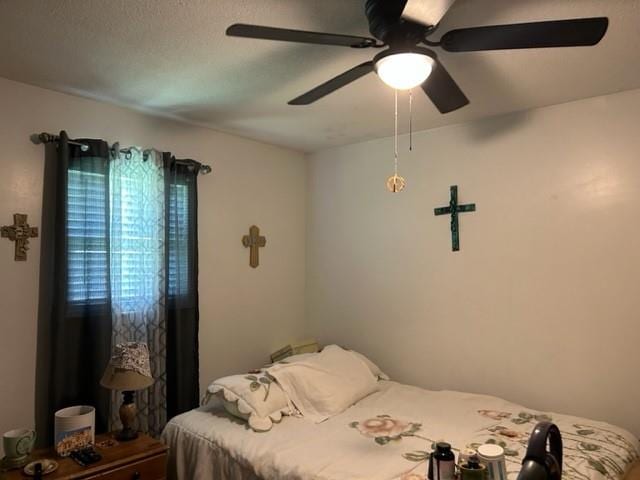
(172, 57)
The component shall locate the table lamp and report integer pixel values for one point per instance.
(128, 370)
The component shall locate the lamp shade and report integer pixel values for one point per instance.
(128, 368)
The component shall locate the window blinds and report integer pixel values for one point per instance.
(88, 235)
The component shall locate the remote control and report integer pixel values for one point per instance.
(86, 456)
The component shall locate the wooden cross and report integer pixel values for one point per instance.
(254, 241)
(453, 209)
(20, 232)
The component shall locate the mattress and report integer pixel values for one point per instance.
(385, 436)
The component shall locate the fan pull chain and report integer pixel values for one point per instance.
(395, 136)
(395, 183)
(410, 121)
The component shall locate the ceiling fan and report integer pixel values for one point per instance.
(404, 27)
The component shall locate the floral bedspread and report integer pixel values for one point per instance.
(589, 450)
(388, 436)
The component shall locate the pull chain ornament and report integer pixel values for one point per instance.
(395, 183)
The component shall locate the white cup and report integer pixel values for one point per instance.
(492, 456)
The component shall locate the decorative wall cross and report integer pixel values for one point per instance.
(20, 232)
(453, 209)
(254, 241)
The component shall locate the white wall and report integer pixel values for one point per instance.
(245, 313)
(541, 306)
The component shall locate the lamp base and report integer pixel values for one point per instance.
(126, 434)
(127, 413)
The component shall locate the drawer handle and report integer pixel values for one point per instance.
(136, 476)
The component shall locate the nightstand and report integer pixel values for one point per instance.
(141, 459)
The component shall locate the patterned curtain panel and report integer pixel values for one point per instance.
(138, 274)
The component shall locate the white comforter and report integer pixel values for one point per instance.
(385, 436)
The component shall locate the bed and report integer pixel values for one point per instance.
(386, 436)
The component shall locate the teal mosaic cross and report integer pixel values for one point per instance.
(453, 209)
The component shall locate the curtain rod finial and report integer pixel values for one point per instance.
(35, 138)
(43, 137)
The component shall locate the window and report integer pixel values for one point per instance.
(178, 276)
(118, 257)
(87, 237)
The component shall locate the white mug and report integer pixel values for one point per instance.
(18, 443)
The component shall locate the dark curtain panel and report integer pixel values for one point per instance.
(181, 195)
(74, 325)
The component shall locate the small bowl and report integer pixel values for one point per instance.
(48, 466)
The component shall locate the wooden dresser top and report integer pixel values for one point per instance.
(116, 455)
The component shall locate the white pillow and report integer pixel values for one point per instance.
(326, 383)
(379, 374)
(253, 397)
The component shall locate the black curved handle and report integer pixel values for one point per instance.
(537, 449)
(538, 456)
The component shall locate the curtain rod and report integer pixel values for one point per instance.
(44, 137)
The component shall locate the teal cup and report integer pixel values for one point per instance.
(18, 444)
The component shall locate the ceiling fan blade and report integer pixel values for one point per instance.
(428, 13)
(334, 84)
(298, 36)
(557, 33)
(443, 90)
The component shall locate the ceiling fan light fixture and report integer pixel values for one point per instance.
(404, 70)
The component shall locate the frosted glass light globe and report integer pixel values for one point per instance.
(403, 71)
